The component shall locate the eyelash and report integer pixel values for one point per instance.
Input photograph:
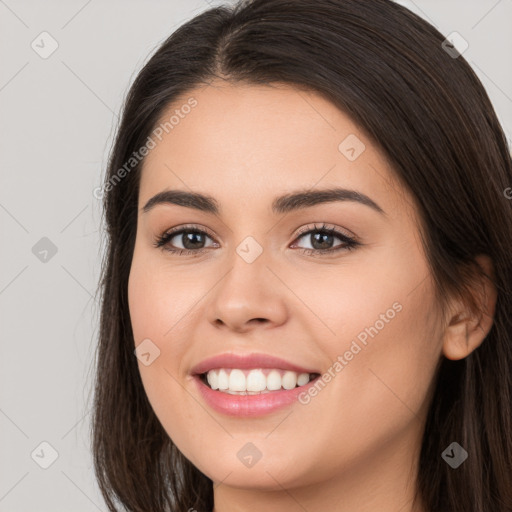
(348, 243)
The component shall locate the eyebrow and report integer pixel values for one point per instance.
(293, 201)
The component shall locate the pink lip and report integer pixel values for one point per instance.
(244, 362)
(250, 405)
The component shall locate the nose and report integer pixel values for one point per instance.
(248, 295)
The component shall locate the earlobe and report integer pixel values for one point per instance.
(467, 330)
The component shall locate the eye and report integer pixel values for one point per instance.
(322, 237)
(193, 240)
(190, 237)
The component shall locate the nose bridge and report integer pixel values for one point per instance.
(250, 250)
(245, 293)
(248, 269)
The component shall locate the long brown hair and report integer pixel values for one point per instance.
(430, 115)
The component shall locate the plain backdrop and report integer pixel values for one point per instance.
(58, 115)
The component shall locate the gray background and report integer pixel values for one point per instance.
(58, 117)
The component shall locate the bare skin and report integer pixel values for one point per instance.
(354, 446)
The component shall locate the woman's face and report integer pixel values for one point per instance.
(364, 318)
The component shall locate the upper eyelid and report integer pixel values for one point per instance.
(324, 226)
(180, 229)
(302, 231)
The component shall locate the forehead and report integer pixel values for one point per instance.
(250, 142)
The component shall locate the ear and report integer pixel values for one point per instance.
(467, 329)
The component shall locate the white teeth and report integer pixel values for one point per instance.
(302, 379)
(223, 381)
(213, 379)
(289, 380)
(237, 381)
(255, 381)
(274, 380)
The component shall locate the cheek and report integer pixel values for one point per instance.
(383, 340)
(159, 301)
(161, 312)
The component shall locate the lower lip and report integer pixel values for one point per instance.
(250, 405)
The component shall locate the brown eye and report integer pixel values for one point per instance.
(192, 240)
(321, 240)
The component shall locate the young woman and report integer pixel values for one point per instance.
(306, 294)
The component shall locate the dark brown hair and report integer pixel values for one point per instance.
(430, 115)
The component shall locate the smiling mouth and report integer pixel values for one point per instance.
(255, 381)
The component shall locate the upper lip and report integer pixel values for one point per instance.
(247, 361)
